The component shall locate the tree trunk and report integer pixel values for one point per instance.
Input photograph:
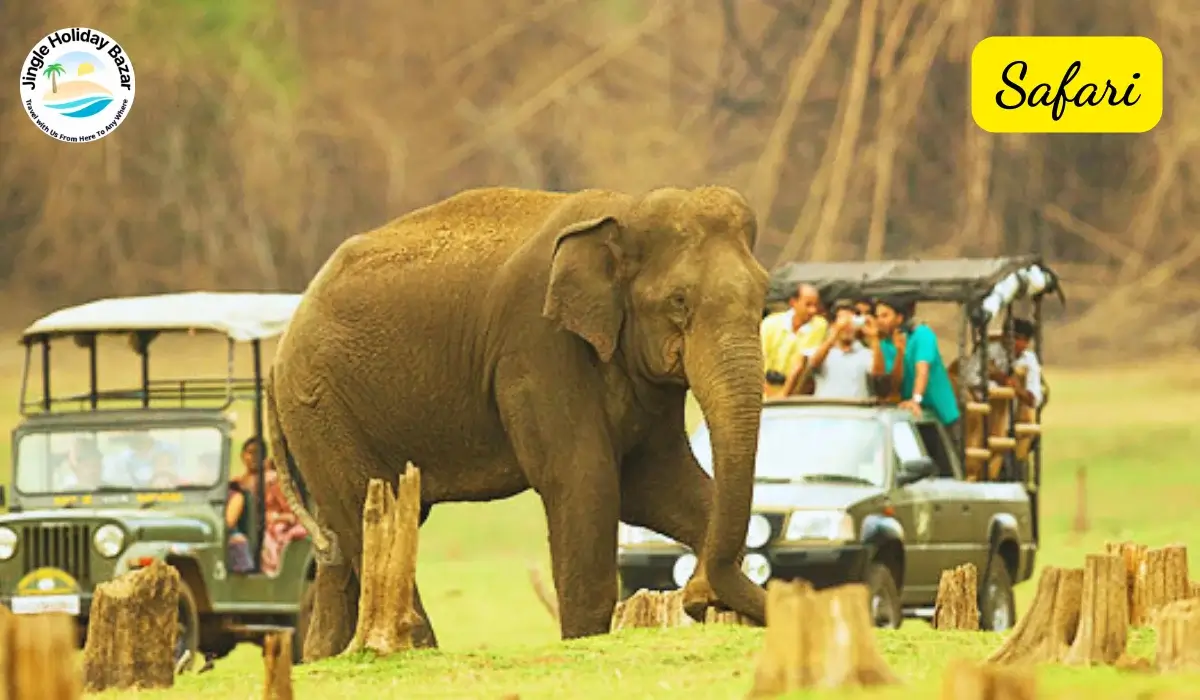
(967, 681)
(386, 617)
(818, 639)
(277, 662)
(1047, 631)
(957, 606)
(1162, 578)
(1177, 627)
(1104, 612)
(1133, 554)
(38, 655)
(132, 630)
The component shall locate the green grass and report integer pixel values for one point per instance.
(1133, 430)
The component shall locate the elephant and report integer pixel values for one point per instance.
(504, 339)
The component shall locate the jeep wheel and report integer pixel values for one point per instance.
(885, 596)
(301, 629)
(997, 608)
(188, 637)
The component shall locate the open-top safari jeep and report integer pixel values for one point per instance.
(157, 487)
(864, 491)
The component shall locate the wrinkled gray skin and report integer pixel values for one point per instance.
(509, 339)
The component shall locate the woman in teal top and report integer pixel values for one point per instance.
(926, 383)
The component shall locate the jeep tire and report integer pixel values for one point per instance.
(188, 638)
(997, 607)
(884, 596)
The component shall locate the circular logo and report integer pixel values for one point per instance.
(77, 84)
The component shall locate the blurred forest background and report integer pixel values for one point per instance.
(264, 132)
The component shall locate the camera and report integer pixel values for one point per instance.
(775, 378)
(858, 321)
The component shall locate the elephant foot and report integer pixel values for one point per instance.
(698, 597)
(423, 636)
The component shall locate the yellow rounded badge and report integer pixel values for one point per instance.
(47, 581)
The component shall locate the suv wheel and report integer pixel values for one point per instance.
(187, 639)
(884, 595)
(300, 631)
(997, 608)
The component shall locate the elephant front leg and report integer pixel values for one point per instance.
(663, 488)
(334, 614)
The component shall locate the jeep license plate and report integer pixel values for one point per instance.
(32, 605)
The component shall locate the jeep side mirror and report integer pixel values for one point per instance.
(913, 470)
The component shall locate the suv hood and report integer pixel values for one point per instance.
(142, 524)
(813, 496)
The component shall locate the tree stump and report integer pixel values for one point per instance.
(1177, 628)
(38, 653)
(818, 639)
(1104, 612)
(714, 616)
(957, 606)
(647, 608)
(277, 662)
(132, 629)
(1162, 579)
(1194, 589)
(1133, 554)
(964, 680)
(1046, 632)
(386, 617)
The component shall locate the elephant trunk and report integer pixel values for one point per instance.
(725, 374)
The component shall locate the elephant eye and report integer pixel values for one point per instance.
(678, 300)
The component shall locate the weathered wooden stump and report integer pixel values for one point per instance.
(37, 653)
(1177, 627)
(964, 680)
(1133, 554)
(277, 662)
(1047, 631)
(1162, 579)
(818, 639)
(715, 616)
(1104, 612)
(132, 629)
(386, 617)
(957, 606)
(647, 608)
(1194, 589)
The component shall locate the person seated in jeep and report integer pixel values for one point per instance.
(82, 470)
(237, 516)
(842, 366)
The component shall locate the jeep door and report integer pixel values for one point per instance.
(918, 510)
(964, 507)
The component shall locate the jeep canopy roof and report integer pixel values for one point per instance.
(961, 280)
(240, 316)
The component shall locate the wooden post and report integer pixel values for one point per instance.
(957, 606)
(964, 680)
(1047, 631)
(1081, 518)
(1104, 612)
(132, 629)
(818, 639)
(386, 617)
(277, 662)
(1177, 627)
(38, 652)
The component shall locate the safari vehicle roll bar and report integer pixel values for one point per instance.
(983, 288)
(242, 317)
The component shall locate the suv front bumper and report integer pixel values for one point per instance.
(820, 566)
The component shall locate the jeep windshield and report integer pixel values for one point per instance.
(802, 446)
(110, 460)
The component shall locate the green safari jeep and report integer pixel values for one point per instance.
(105, 482)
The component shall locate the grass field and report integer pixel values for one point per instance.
(1134, 429)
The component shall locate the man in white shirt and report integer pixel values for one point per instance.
(841, 365)
(1030, 391)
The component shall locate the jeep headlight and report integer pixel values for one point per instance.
(819, 525)
(634, 535)
(109, 540)
(758, 532)
(8, 543)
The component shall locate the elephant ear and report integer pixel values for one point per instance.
(583, 295)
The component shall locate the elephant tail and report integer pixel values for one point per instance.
(324, 541)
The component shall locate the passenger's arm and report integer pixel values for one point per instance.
(233, 508)
(822, 351)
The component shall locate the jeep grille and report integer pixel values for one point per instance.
(65, 546)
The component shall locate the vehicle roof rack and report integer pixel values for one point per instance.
(240, 316)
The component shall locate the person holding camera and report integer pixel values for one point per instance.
(912, 349)
(842, 365)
